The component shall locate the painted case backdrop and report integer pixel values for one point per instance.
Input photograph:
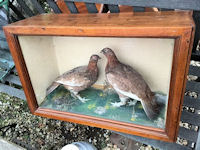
(50, 56)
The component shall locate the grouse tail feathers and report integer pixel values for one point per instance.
(160, 98)
(52, 87)
(151, 109)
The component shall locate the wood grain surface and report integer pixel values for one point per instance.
(177, 25)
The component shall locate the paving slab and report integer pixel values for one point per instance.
(6, 145)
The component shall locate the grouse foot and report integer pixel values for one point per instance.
(82, 99)
(132, 102)
(122, 102)
(118, 104)
(76, 95)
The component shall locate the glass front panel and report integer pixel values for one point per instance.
(48, 57)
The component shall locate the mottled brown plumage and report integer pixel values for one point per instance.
(78, 79)
(128, 83)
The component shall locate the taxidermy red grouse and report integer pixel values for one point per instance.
(128, 83)
(78, 79)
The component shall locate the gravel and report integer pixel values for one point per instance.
(18, 124)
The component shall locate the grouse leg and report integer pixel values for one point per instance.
(83, 100)
(123, 101)
(132, 103)
(133, 113)
(73, 95)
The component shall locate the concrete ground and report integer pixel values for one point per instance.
(5, 145)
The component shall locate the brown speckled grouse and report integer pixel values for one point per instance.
(128, 83)
(78, 79)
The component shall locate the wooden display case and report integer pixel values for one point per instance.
(157, 44)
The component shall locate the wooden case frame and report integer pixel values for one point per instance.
(177, 25)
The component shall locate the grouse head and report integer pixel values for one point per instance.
(93, 62)
(110, 55)
(108, 52)
(94, 58)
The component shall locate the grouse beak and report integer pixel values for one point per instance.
(102, 51)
